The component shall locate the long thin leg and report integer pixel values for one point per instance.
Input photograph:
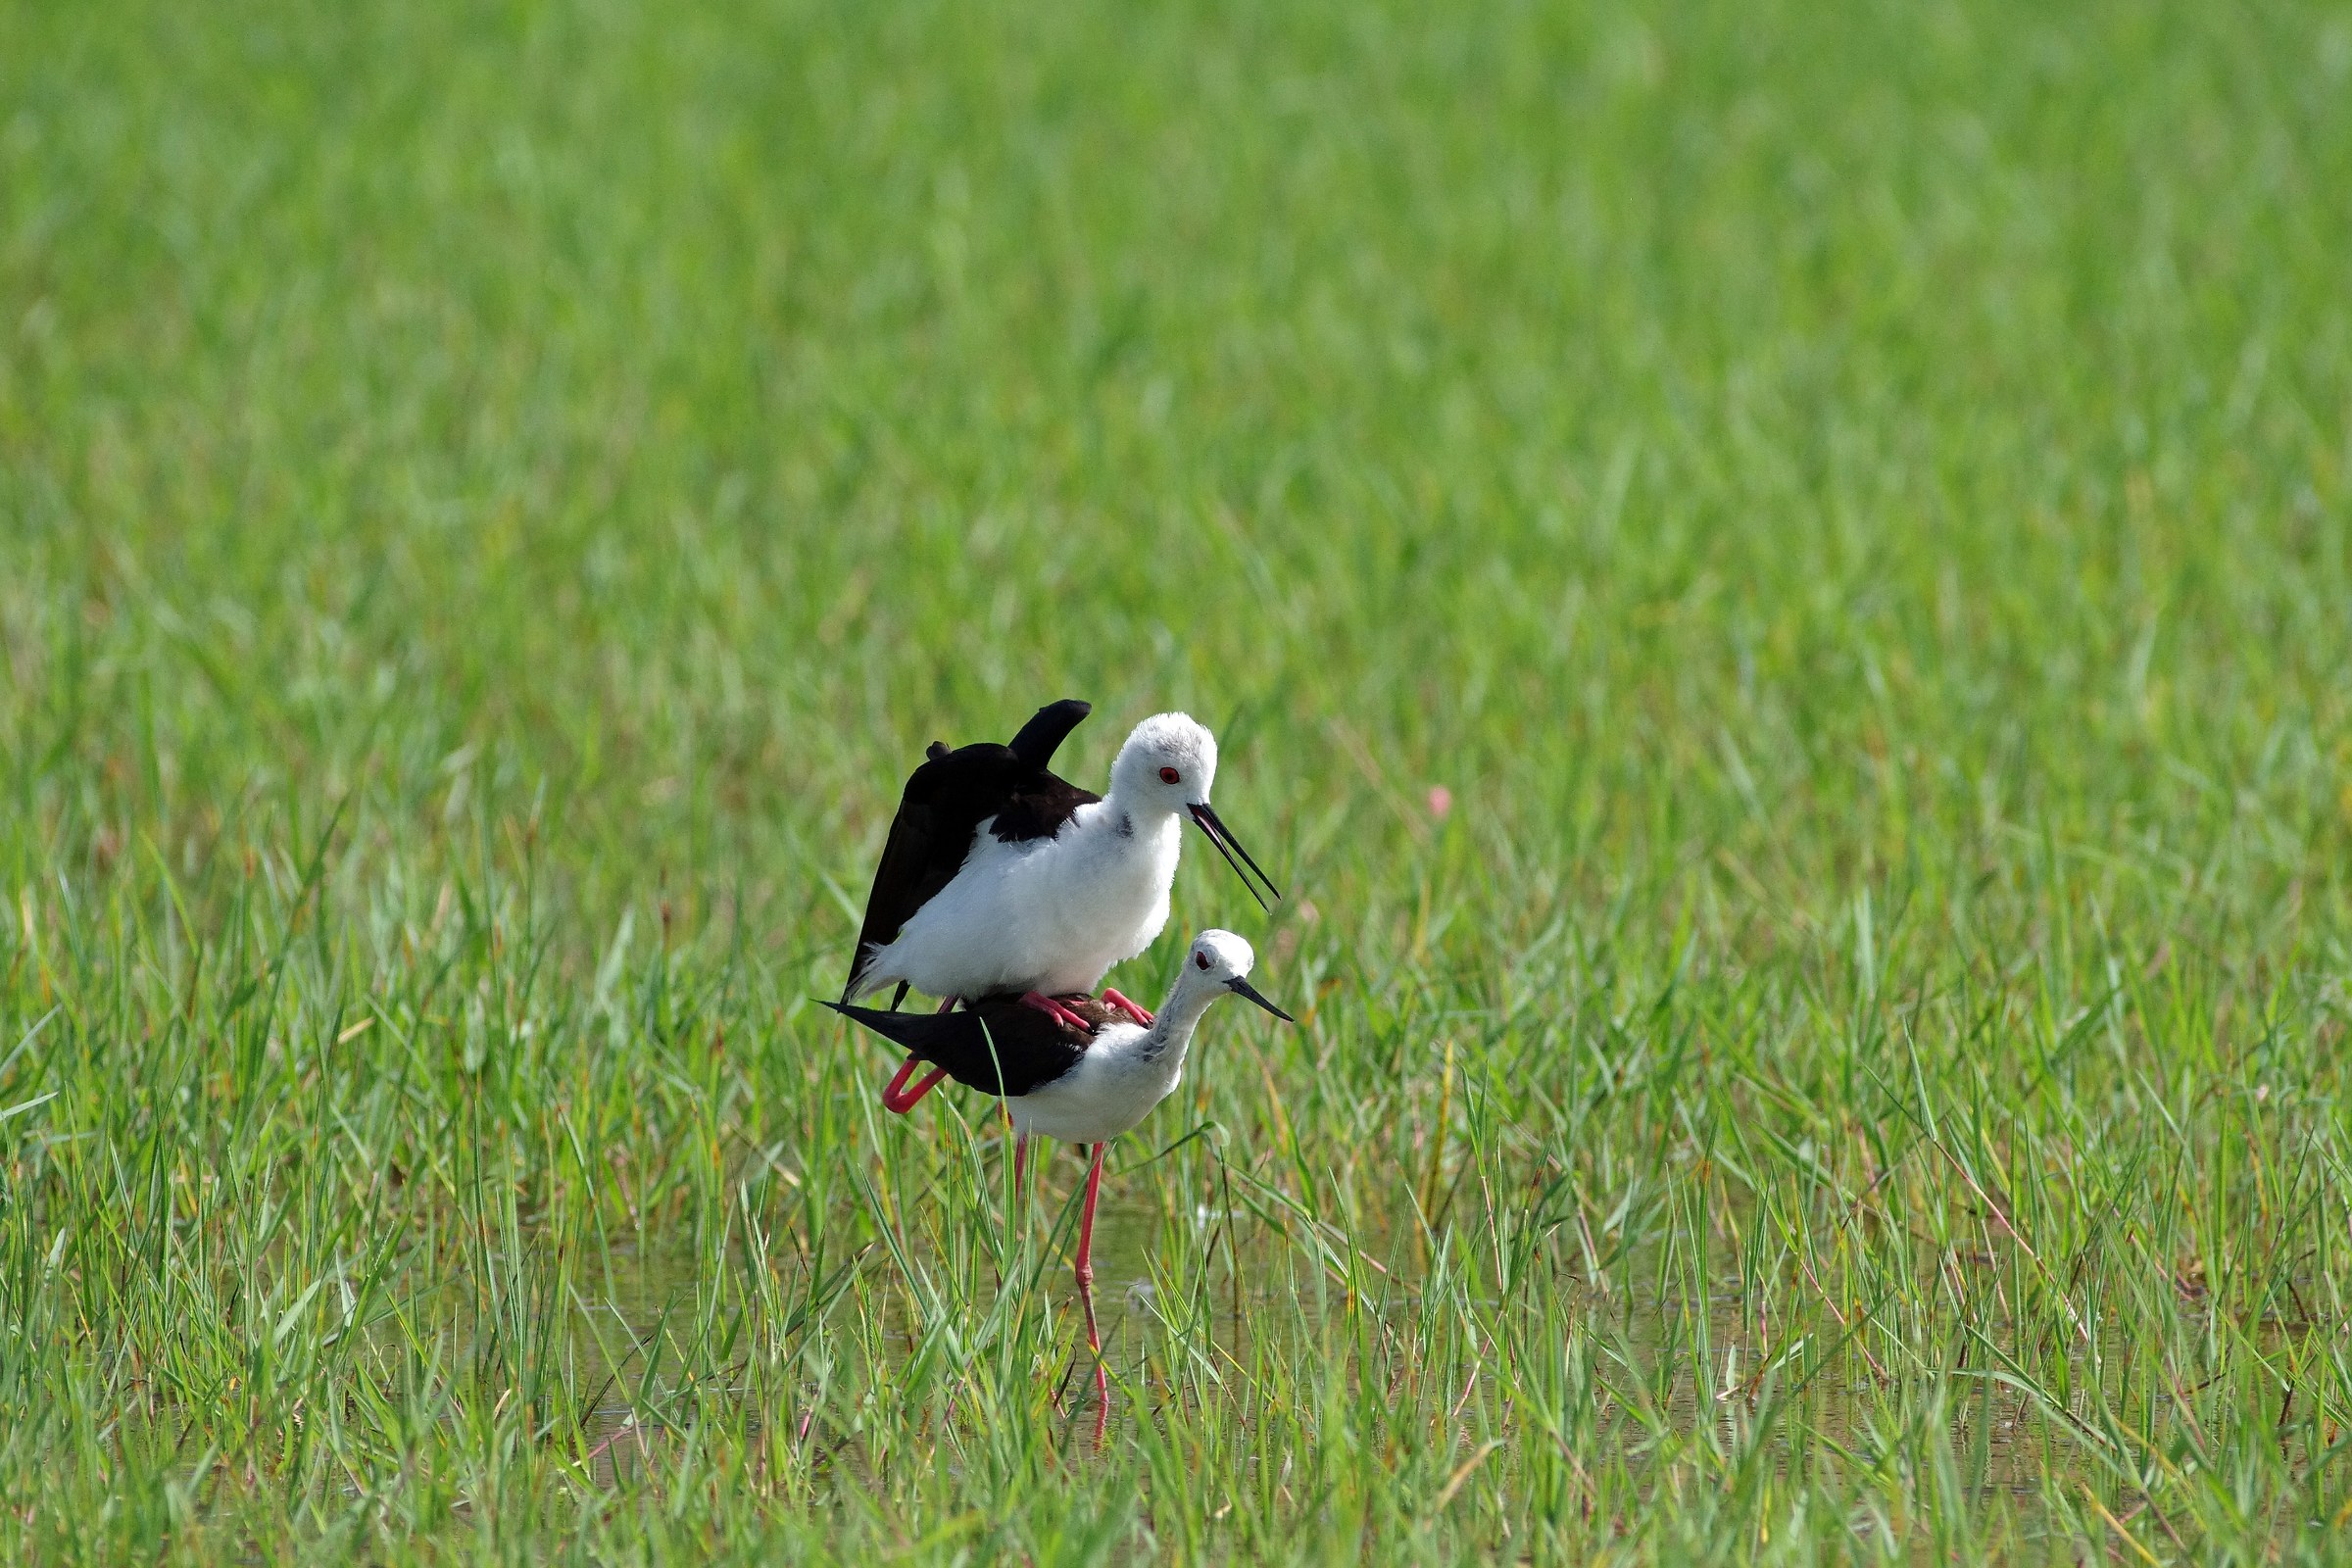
(1093, 1342)
(1020, 1164)
(898, 995)
(1086, 1220)
(897, 1099)
(1055, 1012)
(1086, 1290)
(1141, 1014)
(948, 1005)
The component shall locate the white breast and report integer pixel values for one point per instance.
(1051, 915)
(1114, 1086)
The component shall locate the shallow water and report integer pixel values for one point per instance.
(2001, 1436)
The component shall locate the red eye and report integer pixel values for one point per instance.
(1200, 960)
(1169, 775)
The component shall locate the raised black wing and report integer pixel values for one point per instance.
(1047, 729)
(945, 801)
(1042, 801)
(1000, 1046)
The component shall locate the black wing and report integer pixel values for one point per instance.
(1047, 729)
(999, 1047)
(1041, 803)
(1038, 808)
(945, 801)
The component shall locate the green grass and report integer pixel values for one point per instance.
(1854, 500)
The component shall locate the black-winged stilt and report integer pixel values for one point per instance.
(1000, 877)
(1084, 1079)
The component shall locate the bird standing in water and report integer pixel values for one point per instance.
(1085, 1078)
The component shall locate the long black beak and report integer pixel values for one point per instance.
(1242, 988)
(1228, 846)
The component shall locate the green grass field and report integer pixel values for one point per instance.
(1853, 500)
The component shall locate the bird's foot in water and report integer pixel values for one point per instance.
(1055, 1010)
(1141, 1014)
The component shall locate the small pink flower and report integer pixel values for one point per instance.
(1441, 800)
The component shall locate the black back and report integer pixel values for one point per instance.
(945, 801)
(999, 1045)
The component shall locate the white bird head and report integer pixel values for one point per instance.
(1169, 763)
(1169, 760)
(1222, 959)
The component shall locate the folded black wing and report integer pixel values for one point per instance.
(1000, 1046)
(945, 801)
(1038, 808)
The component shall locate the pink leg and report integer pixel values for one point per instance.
(1056, 1011)
(897, 1099)
(1086, 1221)
(1086, 1291)
(1093, 1342)
(1020, 1162)
(1142, 1015)
(948, 1005)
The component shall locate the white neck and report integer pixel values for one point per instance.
(1172, 1027)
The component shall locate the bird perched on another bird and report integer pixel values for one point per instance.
(1085, 1082)
(1000, 877)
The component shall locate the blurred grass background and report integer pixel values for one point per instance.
(1940, 409)
(1850, 499)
